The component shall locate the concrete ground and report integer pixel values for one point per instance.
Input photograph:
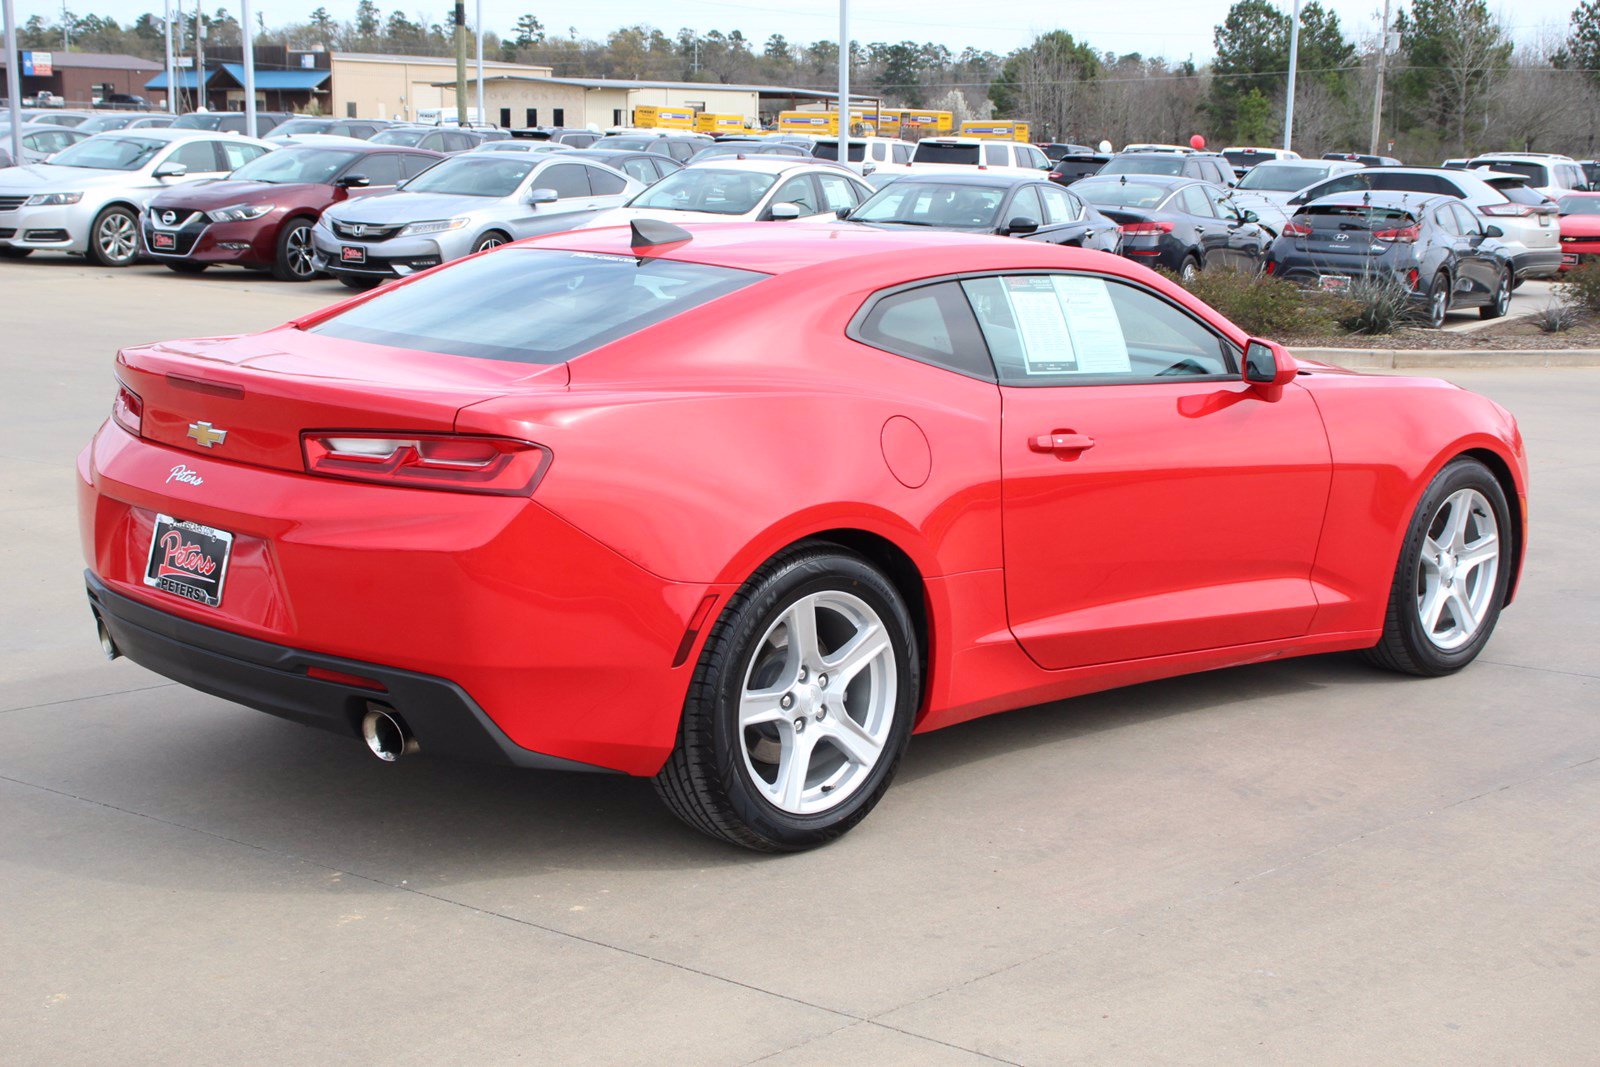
(1303, 862)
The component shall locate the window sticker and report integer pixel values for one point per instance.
(1092, 320)
(1041, 319)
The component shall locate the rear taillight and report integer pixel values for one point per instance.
(1508, 210)
(1145, 229)
(1297, 229)
(495, 465)
(127, 410)
(1405, 236)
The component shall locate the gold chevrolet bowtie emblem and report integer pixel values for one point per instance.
(205, 435)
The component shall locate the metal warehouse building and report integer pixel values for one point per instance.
(534, 100)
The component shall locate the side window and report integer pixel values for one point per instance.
(1221, 205)
(236, 155)
(1059, 205)
(1467, 221)
(1194, 201)
(433, 142)
(460, 142)
(413, 165)
(639, 170)
(199, 156)
(1448, 221)
(681, 150)
(1058, 329)
(799, 191)
(603, 182)
(902, 152)
(930, 324)
(995, 155)
(837, 192)
(1025, 205)
(1032, 157)
(569, 180)
(380, 168)
(1346, 184)
(664, 167)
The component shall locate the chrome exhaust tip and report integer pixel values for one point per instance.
(108, 646)
(386, 735)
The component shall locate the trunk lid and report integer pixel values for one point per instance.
(263, 390)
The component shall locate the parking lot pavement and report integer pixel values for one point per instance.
(1304, 861)
(1529, 299)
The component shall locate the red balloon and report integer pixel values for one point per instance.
(1197, 142)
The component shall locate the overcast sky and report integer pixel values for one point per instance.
(1174, 28)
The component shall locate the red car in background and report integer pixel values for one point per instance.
(261, 215)
(1580, 227)
(742, 507)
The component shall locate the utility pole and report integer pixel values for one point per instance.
(461, 62)
(478, 33)
(172, 86)
(66, 23)
(1383, 67)
(13, 80)
(200, 98)
(844, 84)
(1294, 67)
(247, 39)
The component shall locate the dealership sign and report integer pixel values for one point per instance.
(38, 64)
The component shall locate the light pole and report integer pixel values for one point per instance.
(1294, 65)
(1383, 66)
(13, 81)
(844, 83)
(461, 62)
(247, 38)
(172, 84)
(479, 35)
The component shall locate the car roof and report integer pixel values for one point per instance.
(992, 179)
(1169, 180)
(1384, 198)
(765, 164)
(167, 133)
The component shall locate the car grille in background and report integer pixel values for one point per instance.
(11, 203)
(363, 232)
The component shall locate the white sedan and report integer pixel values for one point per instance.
(758, 189)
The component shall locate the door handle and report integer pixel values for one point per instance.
(1061, 442)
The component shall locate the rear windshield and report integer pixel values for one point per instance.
(932, 152)
(1150, 163)
(406, 138)
(1283, 178)
(472, 175)
(533, 305)
(1354, 217)
(1073, 168)
(1246, 159)
(830, 150)
(1534, 172)
(1124, 193)
(1517, 192)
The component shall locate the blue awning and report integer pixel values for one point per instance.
(280, 79)
(186, 80)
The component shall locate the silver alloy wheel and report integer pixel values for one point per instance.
(297, 249)
(1457, 573)
(490, 241)
(117, 237)
(1439, 302)
(1189, 270)
(1502, 295)
(818, 702)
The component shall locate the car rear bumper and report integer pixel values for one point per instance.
(1537, 263)
(275, 678)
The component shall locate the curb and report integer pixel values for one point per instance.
(1460, 359)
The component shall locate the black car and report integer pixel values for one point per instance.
(1441, 252)
(1008, 205)
(679, 146)
(647, 167)
(572, 137)
(1178, 224)
(1054, 150)
(122, 102)
(231, 121)
(1364, 159)
(1202, 166)
(1076, 166)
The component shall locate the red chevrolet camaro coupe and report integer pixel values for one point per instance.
(742, 507)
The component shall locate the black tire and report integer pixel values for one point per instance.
(15, 253)
(359, 281)
(1500, 300)
(492, 239)
(706, 781)
(125, 221)
(1437, 310)
(1405, 646)
(1190, 263)
(183, 266)
(291, 262)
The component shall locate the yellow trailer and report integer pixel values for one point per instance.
(997, 130)
(707, 122)
(826, 123)
(648, 117)
(923, 123)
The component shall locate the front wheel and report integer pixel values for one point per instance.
(1500, 303)
(1438, 300)
(1451, 580)
(114, 237)
(293, 262)
(800, 706)
(492, 239)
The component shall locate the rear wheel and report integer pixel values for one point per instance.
(359, 281)
(1189, 270)
(1438, 300)
(114, 237)
(1500, 302)
(184, 266)
(292, 263)
(800, 707)
(1451, 579)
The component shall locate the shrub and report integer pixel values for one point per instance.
(1263, 306)
(1579, 288)
(1376, 306)
(1556, 317)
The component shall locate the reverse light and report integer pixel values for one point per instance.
(1508, 210)
(500, 466)
(417, 229)
(239, 212)
(1405, 236)
(1297, 229)
(127, 410)
(53, 199)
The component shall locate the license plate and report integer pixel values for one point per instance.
(188, 560)
(1333, 283)
(165, 240)
(1544, 220)
(352, 254)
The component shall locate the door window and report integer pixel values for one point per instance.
(199, 156)
(1059, 205)
(1447, 221)
(1221, 206)
(567, 179)
(837, 192)
(995, 155)
(1193, 199)
(902, 153)
(1060, 329)
(433, 142)
(1466, 221)
(681, 150)
(1025, 205)
(380, 168)
(604, 182)
(1348, 183)
(1034, 158)
(639, 169)
(413, 165)
(798, 191)
(930, 324)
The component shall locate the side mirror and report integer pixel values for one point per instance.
(785, 212)
(1296, 201)
(842, 213)
(1249, 216)
(354, 181)
(1269, 366)
(543, 196)
(1022, 225)
(1493, 231)
(171, 170)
